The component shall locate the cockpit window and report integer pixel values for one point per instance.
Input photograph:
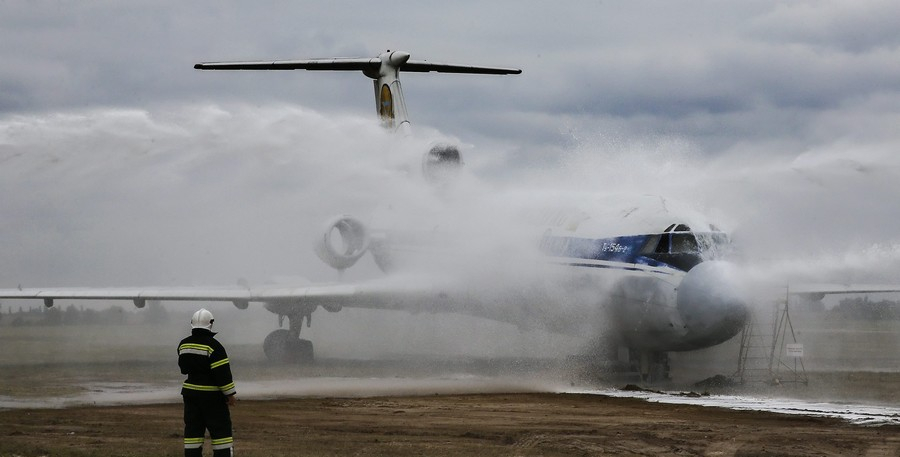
(683, 249)
(658, 244)
(714, 245)
(684, 243)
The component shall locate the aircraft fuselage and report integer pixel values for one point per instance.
(662, 290)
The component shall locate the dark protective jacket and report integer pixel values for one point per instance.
(204, 361)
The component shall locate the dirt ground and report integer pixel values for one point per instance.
(484, 424)
(332, 420)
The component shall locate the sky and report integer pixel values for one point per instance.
(123, 165)
(794, 75)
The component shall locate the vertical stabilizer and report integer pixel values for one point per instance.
(389, 99)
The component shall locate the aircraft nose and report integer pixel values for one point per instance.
(713, 304)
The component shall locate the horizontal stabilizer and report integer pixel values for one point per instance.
(424, 66)
(352, 64)
(312, 64)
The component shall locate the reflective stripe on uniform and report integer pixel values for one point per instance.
(222, 443)
(228, 389)
(219, 363)
(193, 443)
(202, 388)
(193, 348)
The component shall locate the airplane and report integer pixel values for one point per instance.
(644, 273)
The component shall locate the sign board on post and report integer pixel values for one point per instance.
(794, 350)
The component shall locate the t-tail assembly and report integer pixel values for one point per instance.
(384, 69)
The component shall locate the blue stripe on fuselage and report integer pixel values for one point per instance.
(622, 249)
(614, 267)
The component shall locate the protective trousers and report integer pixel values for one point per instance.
(207, 412)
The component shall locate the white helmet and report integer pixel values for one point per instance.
(202, 319)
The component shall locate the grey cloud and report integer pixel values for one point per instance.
(852, 27)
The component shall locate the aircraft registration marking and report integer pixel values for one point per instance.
(614, 247)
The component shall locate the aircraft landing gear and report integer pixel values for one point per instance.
(285, 345)
(282, 346)
(653, 366)
(609, 360)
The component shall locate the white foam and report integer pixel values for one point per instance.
(856, 413)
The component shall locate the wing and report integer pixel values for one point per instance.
(139, 296)
(819, 290)
(382, 294)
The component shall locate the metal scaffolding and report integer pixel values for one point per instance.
(772, 358)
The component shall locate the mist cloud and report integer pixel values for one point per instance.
(209, 194)
(121, 165)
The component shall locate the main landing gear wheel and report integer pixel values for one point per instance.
(283, 346)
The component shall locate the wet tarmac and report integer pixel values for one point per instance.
(121, 393)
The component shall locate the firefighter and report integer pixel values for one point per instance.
(208, 391)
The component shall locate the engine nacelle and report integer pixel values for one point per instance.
(441, 164)
(344, 241)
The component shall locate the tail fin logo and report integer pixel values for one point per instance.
(386, 106)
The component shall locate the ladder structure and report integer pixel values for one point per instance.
(774, 358)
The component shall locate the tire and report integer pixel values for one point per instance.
(304, 352)
(277, 346)
(283, 347)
